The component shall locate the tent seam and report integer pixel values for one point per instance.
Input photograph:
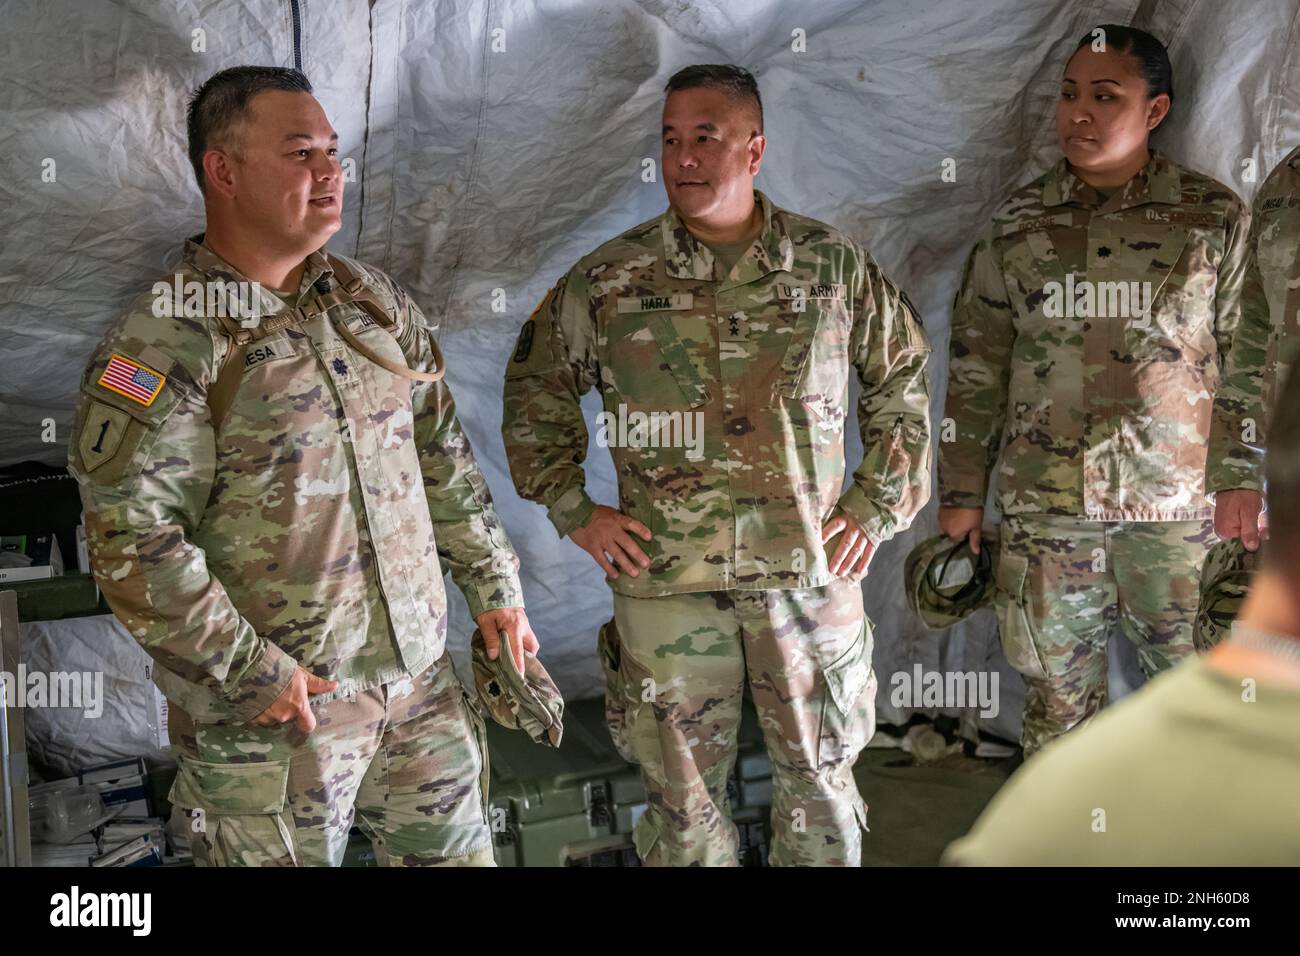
(472, 184)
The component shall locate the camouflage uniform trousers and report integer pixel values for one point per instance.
(1062, 582)
(407, 758)
(683, 667)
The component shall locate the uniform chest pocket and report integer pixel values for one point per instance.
(1147, 292)
(815, 366)
(1038, 283)
(1161, 287)
(276, 368)
(648, 365)
(281, 390)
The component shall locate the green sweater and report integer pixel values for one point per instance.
(1185, 772)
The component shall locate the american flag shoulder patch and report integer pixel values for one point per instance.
(137, 382)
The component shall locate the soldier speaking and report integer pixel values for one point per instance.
(272, 476)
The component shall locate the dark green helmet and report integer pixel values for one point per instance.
(946, 581)
(1225, 581)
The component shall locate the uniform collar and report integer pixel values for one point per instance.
(685, 257)
(198, 255)
(1294, 159)
(1158, 181)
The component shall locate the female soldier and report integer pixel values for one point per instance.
(1089, 327)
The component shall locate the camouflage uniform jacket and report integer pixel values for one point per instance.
(1090, 329)
(1264, 349)
(302, 529)
(759, 360)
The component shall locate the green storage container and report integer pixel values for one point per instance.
(576, 806)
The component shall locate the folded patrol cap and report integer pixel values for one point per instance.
(529, 701)
(1225, 581)
(946, 581)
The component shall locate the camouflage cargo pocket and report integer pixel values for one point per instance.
(237, 812)
(479, 728)
(1015, 623)
(637, 694)
(848, 707)
(609, 651)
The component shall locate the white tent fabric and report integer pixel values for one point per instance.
(98, 667)
(496, 141)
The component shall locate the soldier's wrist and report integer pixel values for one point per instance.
(1235, 475)
(492, 594)
(263, 683)
(855, 504)
(952, 498)
(572, 510)
(1237, 482)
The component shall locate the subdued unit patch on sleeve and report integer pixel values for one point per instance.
(533, 351)
(524, 346)
(102, 435)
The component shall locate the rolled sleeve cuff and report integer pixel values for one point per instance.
(962, 498)
(878, 525)
(488, 594)
(571, 510)
(263, 683)
(954, 498)
(1233, 474)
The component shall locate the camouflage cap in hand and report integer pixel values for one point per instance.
(1225, 581)
(529, 701)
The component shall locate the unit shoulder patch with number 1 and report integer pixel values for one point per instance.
(102, 434)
